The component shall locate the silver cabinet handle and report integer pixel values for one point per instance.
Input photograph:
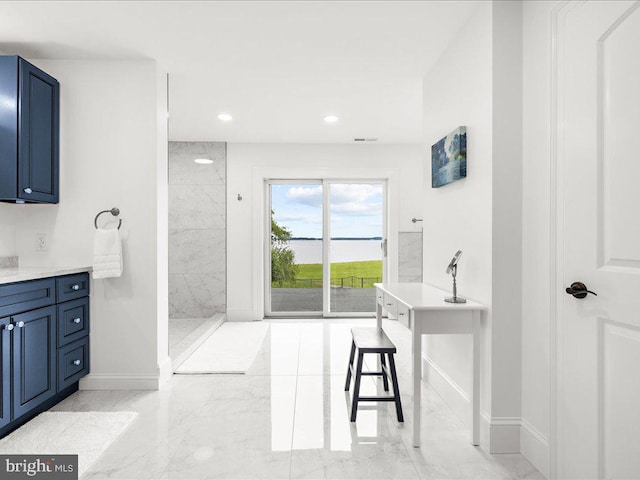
(76, 362)
(75, 287)
(9, 327)
(28, 190)
(77, 320)
(20, 324)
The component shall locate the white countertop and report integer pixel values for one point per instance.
(420, 296)
(20, 274)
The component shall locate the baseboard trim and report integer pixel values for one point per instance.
(98, 381)
(497, 434)
(504, 434)
(535, 447)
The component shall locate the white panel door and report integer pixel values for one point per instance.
(599, 231)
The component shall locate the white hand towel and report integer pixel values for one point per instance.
(107, 253)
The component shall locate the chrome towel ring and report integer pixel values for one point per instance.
(114, 211)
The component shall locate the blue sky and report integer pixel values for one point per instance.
(356, 209)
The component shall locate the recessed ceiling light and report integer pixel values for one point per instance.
(203, 161)
(225, 117)
(330, 118)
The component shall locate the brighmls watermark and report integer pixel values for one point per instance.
(46, 467)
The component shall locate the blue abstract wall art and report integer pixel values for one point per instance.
(449, 158)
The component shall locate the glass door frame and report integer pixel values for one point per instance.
(326, 243)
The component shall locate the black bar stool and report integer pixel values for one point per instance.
(373, 340)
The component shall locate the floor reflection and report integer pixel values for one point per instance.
(288, 418)
(317, 352)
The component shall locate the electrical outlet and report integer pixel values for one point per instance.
(41, 242)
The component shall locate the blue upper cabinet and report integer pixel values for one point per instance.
(29, 133)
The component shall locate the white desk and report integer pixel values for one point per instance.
(422, 309)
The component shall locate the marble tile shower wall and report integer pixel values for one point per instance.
(410, 257)
(197, 230)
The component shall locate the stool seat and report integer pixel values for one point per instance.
(373, 340)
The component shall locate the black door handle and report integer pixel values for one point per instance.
(579, 290)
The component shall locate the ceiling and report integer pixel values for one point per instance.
(277, 66)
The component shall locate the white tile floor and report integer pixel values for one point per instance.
(288, 418)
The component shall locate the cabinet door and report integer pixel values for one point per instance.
(5, 372)
(39, 135)
(34, 359)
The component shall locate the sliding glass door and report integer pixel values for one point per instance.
(356, 226)
(295, 273)
(326, 247)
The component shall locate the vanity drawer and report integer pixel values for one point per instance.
(403, 315)
(24, 296)
(73, 321)
(390, 305)
(73, 362)
(71, 287)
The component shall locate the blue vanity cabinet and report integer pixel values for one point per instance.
(29, 133)
(34, 359)
(44, 344)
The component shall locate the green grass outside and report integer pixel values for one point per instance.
(347, 274)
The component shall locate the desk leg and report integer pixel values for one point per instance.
(417, 378)
(379, 325)
(475, 375)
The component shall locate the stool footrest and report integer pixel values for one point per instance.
(384, 372)
(377, 399)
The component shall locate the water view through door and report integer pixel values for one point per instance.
(325, 247)
(356, 225)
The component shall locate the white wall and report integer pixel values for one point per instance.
(112, 154)
(7, 231)
(506, 295)
(162, 224)
(473, 84)
(458, 91)
(249, 164)
(536, 261)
